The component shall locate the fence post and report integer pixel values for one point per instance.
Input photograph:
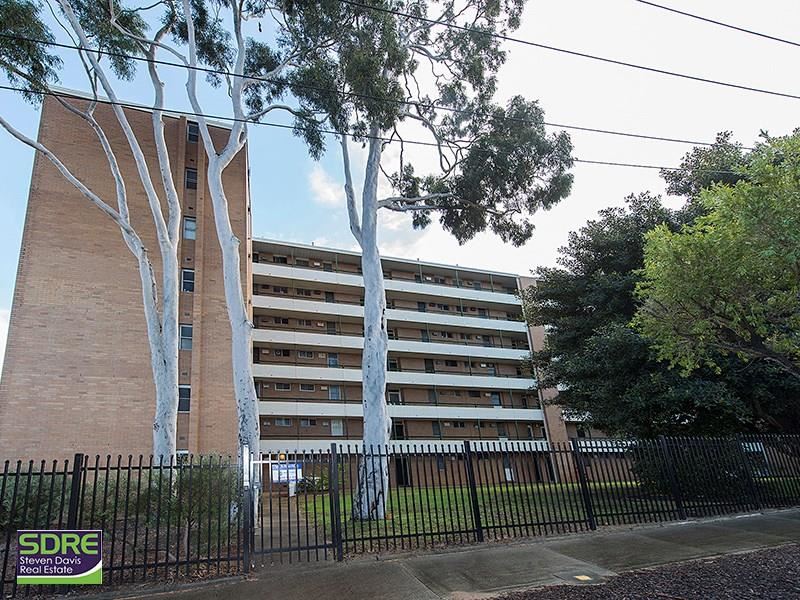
(751, 484)
(473, 492)
(75, 492)
(584, 483)
(674, 484)
(336, 517)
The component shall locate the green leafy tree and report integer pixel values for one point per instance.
(729, 283)
(605, 370)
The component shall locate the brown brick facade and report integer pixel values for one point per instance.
(77, 374)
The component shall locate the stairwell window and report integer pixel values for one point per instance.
(189, 228)
(184, 398)
(186, 337)
(187, 280)
(192, 132)
(190, 179)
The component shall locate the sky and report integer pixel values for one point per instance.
(295, 198)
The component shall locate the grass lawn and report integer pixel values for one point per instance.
(438, 514)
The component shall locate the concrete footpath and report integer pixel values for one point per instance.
(487, 570)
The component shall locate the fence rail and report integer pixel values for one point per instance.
(204, 516)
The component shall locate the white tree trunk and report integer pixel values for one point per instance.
(241, 326)
(373, 484)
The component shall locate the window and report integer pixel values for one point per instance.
(333, 359)
(280, 289)
(282, 352)
(459, 424)
(305, 354)
(474, 394)
(184, 398)
(432, 399)
(283, 422)
(283, 387)
(393, 364)
(307, 387)
(421, 307)
(282, 260)
(496, 399)
(304, 323)
(437, 429)
(280, 320)
(186, 337)
(192, 132)
(451, 363)
(302, 292)
(440, 462)
(187, 280)
(476, 285)
(395, 397)
(190, 179)
(329, 297)
(189, 228)
(334, 393)
(308, 422)
(300, 262)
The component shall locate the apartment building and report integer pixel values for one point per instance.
(457, 341)
(77, 374)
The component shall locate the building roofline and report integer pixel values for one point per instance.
(390, 258)
(135, 106)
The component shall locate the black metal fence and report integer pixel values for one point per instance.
(203, 517)
(160, 522)
(465, 493)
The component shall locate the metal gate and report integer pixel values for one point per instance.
(293, 512)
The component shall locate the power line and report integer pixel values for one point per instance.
(612, 61)
(328, 131)
(365, 96)
(720, 23)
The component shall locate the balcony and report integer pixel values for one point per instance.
(292, 273)
(405, 377)
(467, 320)
(324, 339)
(453, 277)
(399, 411)
(295, 445)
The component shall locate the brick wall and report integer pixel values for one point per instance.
(77, 374)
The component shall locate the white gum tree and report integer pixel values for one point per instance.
(35, 68)
(401, 69)
(209, 37)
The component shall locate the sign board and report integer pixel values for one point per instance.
(287, 472)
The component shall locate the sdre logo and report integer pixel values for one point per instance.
(60, 557)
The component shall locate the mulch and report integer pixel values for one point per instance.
(762, 574)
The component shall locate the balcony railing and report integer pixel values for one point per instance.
(502, 344)
(392, 369)
(421, 278)
(429, 310)
(516, 403)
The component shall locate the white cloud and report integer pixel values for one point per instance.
(324, 189)
(5, 315)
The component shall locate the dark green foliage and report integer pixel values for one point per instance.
(713, 469)
(607, 370)
(33, 500)
(95, 18)
(724, 162)
(24, 62)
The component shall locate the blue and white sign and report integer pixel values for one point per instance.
(287, 472)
